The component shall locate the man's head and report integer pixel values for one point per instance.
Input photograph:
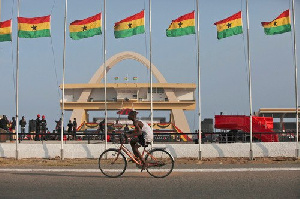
(132, 115)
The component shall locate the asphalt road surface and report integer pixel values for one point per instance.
(189, 184)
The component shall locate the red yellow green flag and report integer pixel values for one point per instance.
(130, 26)
(5, 31)
(34, 27)
(230, 26)
(184, 25)
(85, 28)
(279, 25)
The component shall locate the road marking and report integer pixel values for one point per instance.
(138, 170)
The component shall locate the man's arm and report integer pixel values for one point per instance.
(137, 131)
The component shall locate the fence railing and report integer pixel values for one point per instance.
(161, 136)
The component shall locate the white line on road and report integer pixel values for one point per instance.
(138, 170)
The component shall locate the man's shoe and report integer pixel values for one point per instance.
(131, 160)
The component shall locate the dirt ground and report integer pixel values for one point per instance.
(6, 162)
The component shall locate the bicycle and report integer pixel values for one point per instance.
(112, 162)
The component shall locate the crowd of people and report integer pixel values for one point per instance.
(37, 129)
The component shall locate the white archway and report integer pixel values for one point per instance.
(178, 114)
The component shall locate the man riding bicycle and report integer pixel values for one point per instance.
(142, 135)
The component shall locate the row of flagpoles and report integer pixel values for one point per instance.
(184, 25)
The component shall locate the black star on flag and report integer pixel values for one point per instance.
(275, 23)
(84, 28)
(228, 25)
(180, 24)
(33, 27)
(130, 25)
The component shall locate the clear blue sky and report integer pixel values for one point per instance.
(224, 82)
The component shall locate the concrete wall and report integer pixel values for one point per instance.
(286, 149)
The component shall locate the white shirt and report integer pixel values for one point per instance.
(148, 133)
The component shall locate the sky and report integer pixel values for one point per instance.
(224, 73)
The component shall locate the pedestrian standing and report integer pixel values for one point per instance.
(4, 124)
(102, 129)
(58, 129)
(37, 127)
(13, 127)
(70, 128)
(22, 123)
(126, 128)
(44, 128)
(74, 128)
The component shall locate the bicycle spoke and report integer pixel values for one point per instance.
(112, 163)
(160, 163)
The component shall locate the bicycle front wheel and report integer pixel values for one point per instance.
(112, 163)
(160, 163)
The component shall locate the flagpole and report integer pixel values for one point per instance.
(17, 91)
(104, 60)
(250, 83)
(199, 83)
(296, 81)
(150, 59)
(63, 88)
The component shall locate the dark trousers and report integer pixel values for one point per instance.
(37, 135)
(74, 135)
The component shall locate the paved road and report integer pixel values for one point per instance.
(194, 184)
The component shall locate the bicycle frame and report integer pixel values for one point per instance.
(130, 154)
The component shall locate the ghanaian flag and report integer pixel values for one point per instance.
(279, 25)
(34, 27)
(85, 28)
(230, 26)
(5, 30)
(184, 25)
(130, 26)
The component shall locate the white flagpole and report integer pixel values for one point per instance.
(150, 59)
(63, 88)
(250, 84)
(296, 81)
(104, 59)
(199, 83)
(17, 92)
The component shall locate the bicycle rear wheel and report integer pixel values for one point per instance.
(112, 163)
(160, 163)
